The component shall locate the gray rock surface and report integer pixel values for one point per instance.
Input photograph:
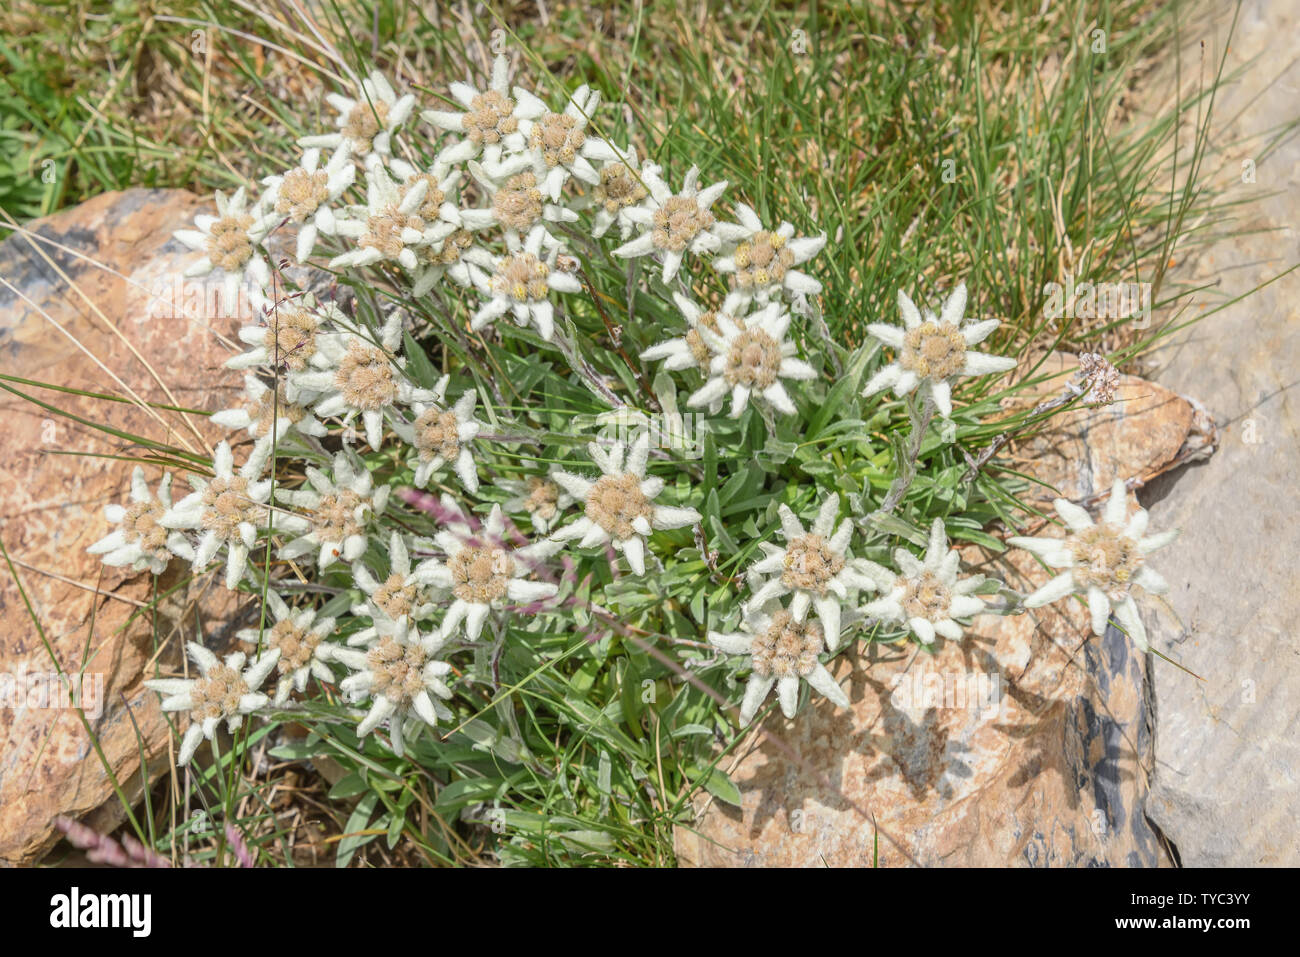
(1226, 787)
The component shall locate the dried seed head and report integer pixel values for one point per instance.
(297, 645)
(292, 336)
(365, 378)
(363, 124)
(558, 137)
(228, 245)
(754, 360)
(335, 518)
(543, 498)
(217, 694)
(762, 261)
(925, 597)
(677, 222)
(490, 117)
(437, 435)
(933, 350)
(615, 502)
(618, 188)
(810, 564)
(395, 597)
(226, 506)
(1106, 558)
(1101, 378)
(397, 671)
(481, 573)
(384, 231)
(518, 204)
(521, 277)
(301, 193)
(786, 648)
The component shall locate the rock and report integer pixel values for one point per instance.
(1028, 743)
(1227, 785)
(94, 617)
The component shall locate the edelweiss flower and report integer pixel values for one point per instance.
(367, 123)
(297, 638)
(490, 124)
(620, 504)
(516, 206)
(542, 498)
(815, 565)
(621, 188)
(363, 378)
(521, 283)
(401, 598)
(933, 352)
(267, 407)
(304, 193)
(558, 144)
(762, 264)
(441, 435)
(141, 542)
(690, 351)
(222, 692)
(455, 257)
(232, 242)
(750, 359)
(290, 337)
(782, 651)
(226, 510)
(1104, 562)
(483, 571)
(403, 679)
(338, 511)
(393, 222)
(676, 224)
(927, 596)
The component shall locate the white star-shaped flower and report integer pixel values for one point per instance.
(225, 691)
(367, 123)
(141, 541)
(541, 497)
(404, 598)
(267, 407)
(289, 336)
(558, 143)
(691, 351)
(620, 503)
(1104, 562)
(298, 638)
(516, 205)
(782, 652)
(934, 351)
(521, 284)
(232, 241)
(622, 188)
(336, 511)
(489, 124)
(763, 262)
(397, 219)
(302, 196)
(441, 435)
(750, 360)
(227, 509)
(815, 565)
(927, 596)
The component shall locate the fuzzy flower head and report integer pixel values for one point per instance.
(521, 283)
(927, 595)
(403, 598)
(516, 205)
(226, 510)
(782, 651)
(141, 542)
(231, 241)
(750, 360)
(763, 263)
(621, 188)
(441, 435)
(298, 638)
(268, 415)
(541, 497)
(334, 513)
(691, 351)
(367, 123)
(489, 122)
(1105, 562)
(398, 218)
(402, 679)
(288, 337)
(225, 691)
(815, 566)
(558, 143)
(619, 505)
(303, 196)
(933, 351)
(677, 223)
